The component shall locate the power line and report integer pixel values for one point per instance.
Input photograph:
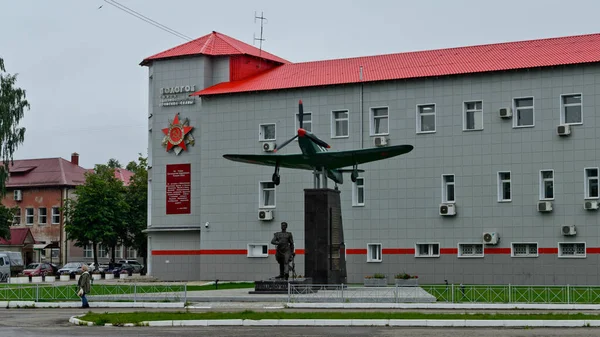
(146, 19)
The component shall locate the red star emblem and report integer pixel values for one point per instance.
(176, 134)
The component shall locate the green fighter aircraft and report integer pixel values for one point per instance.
(315, 156)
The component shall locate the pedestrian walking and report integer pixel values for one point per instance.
(83, 286)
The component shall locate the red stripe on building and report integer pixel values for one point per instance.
(548, 251)
(398, 251)
(593, 250)
(449, 251)
(497, 251)
(212, 252)
(356, 251)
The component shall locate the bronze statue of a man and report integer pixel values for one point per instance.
(285, 250)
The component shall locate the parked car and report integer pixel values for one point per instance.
(16, 262)
(38, 269)
(101, 267)
(137, 267)
(71, 268)
(119, 268)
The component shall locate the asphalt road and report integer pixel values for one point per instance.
(55, 322)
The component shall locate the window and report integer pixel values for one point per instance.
(523, 108)
(425, 118)
(448, 188)
(17, 217)
(119, 252)
(306, 121)
(103, 251)
(470, 250)
(379, 121)
(266, 132)
(29, 216)
(358, 192)
(258, 250)
(473, 113)
(591, 183)
(42, 215)
(55, 215)
(131, 253)
(504, 193)
(267, 194)
(374, 252)
(427, 250)
(521, 249)
(339, 124)
(571, 249)
(88, 251)
(547, 185)
(570, 109)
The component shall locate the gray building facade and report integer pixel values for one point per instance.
(513, 153)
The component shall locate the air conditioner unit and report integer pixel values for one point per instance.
(17, 195)
(568, 230)
(505, 112)
(380, 141)
(269, 146)
(265, 215)
(544, 206)
(590, 204)
(447, 209)
(563, 130)
(491, 238)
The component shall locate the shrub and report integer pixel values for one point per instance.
(377, 275)
(405, 276)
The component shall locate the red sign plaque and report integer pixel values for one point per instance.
(179, 188)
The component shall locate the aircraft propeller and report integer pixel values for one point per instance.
(302, 132)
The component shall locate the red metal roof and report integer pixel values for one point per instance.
(124, 175)
(45, 172)
(214, 44)
(441, 62)
(18, 236)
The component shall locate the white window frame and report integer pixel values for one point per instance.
(355, 189)
(563, 114)
(475, 112)
(419, 114)
(461, 246)
(377, 250)
(29, 218)
(42, 218)
(253, 250)
(88, 251)
(372, 121)
(18, 217)
(543, 185)
(430, 246)
(561, 245)
(261, 132)
(500, 186)
(261, 190)
(103, 251)
(304, 122)
(586, 181)
(516, 112)
(55, 215)
(445, 185)
(119, 251)
(528, 249)
(132, 253)
(335, 121)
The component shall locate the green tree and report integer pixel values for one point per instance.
(12, 109)
(97, 214)
(113, 163)
(136, 197)
(7, 216)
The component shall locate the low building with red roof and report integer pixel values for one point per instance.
(502, 185)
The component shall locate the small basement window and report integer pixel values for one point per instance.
(258, 250)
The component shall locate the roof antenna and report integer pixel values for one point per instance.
(262, 21)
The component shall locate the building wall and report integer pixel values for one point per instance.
(403, 194)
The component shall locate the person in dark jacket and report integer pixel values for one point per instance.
(84, 284)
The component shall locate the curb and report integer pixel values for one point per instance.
(74, 304)
(481, 306)
(362, 323)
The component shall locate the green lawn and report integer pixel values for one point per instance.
(138, 317)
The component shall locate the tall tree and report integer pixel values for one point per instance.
(137, 200)
(113, 163)
(98, 212)
(12, 109)
(7, 216)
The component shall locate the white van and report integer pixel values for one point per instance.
(4, 267)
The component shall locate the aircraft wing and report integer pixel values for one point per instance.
(294, 161)
(338, 159)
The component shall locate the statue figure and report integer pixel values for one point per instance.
(285, 250)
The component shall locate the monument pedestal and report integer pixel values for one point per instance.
(277, 286)
(324, 248)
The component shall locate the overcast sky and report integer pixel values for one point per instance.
(88, 94)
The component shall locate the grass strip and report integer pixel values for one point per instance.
(140, 316)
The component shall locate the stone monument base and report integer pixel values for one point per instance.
(279, 286)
